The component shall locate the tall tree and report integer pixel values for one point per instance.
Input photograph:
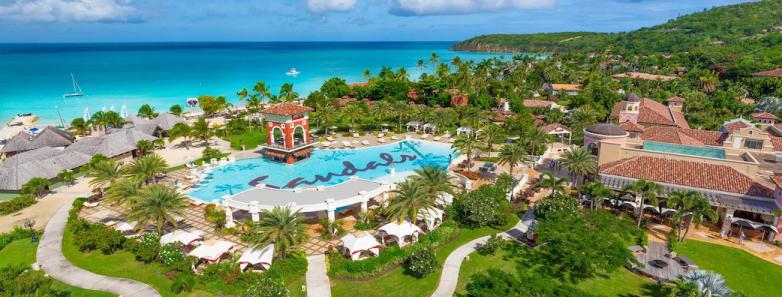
(146, 169)
(435, 180)
(181, 130)
(324, 116)
(490, 133)
(123, 190)
(67, 176)
(104, 173)
(467, 144)
(79, 126)
(146, 111)
(596, 191)
(352, 112)
(36, 187)
(580, 163)
(410, 197)
(202, 131)
(157, 205)
(282, 226)
(693, 207)
(512, 154)
(644, 190)
(144, 147)
(553, 183)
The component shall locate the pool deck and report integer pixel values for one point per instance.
(309, 199)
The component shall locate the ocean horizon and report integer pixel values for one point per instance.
(36, 75)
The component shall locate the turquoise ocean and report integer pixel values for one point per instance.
(34, 77)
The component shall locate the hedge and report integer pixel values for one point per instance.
(17, 233)
(16, 204)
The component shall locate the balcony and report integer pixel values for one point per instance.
(297, 145)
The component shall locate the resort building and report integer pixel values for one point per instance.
(119, 144)
(644, 76)
(27, 141)
(157, 126)
(741, 187)
(289, 133)
(45, 162)
(556, 89)
(649, 113)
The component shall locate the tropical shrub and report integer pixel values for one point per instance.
(266, 286)
(15, 234)
(35, 187)
(146, 248)
(16, 204)
(19, 280)
(214, 215)
(226, 272)
(173, 257)
(491, 246)
(556, 203)
(91, 237)
(183, 281)
(421, 262)
(481, 207)
(290, 268)
(211, 153)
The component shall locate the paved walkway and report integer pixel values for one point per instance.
(449, 277)
(317, 281)
(50, 257)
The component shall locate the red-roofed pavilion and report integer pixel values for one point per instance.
(288, 133)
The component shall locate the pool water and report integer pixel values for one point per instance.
(702, 151)
(325, 167)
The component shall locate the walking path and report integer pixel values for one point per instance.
(317, 281)
(51, 260)
(46, 207)
(450, 275)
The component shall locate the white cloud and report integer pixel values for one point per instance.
(435, 7)
(68, 10)
(321, 6)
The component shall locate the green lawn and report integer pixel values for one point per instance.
(124, 265)
(743, 271)
(403, 285)
(477, 263)
(622, 283)
(250, 139)
(22, 251)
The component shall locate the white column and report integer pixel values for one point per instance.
(726, 220)
(385, 198)
(255, 210)
(229, 216)
(330, 210)
(364, 202)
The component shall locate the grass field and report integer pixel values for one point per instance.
(250, 139)
(403, 285)
(22, 251)
(743, 271)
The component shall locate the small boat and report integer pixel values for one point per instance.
(292, 72)
(76, 89)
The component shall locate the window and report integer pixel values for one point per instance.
(753, 144)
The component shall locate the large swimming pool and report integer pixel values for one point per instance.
(325, 167)
(702, 151)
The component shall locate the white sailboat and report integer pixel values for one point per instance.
(76, 89)
(292, 72)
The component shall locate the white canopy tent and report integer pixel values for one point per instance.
(465, 130)
(431, 128)
(355, 245)
(212, 250)
(256, 256)
(400, 231)
(431, 216)
(180, 236)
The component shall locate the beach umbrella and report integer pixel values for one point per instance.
(124, 111)
(86, 115)
(112, 108)
(103, 109)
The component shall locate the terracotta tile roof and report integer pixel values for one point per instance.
(687, 173)
(359, 84)
(554, 127)
(676, 99)
(777, 179)
(532, 103)
(771, 73)
(654, 113)
(286, 109)
(646, 76)
(777, 143)
(764, 116)
(684, 136)
(748, 101)
(631, 127)
(459, 101)
(730, 127)
(566, 87)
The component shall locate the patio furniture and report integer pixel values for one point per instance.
(686, 262)
(658, 263)
(355, 135)
(329, 138)
(346, 144)
(255, 256)
(436, 138)
(360, 243)
(125, 226)
(381, 134)
(394, 137)
(365, 142)
(381, 140)
(326, 144)
(425, 136)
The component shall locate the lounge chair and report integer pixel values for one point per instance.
(231, 159)
(346, 144)
(365, 142)
(381, 140)
(451, 140)
(91, 204)
(394, 137)
(326, 144)
(355, 135)
(381, 134)
(329, 138)
(436, 138)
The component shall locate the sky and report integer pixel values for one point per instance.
(323, 20)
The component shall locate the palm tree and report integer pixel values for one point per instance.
(261, 91)
(553, 183)
(435, 180)
(512, 154)
(146, 111)
(692, 205)
(144, 147)
(410, 198)
(176, 110)
(643, 190)
(579, 162)
(156, 205)
(710, 284)
(535, 139)
(596, 191)
(180, 130)
(287, 94)
(36, 187)
(145, 169)
(400, 110)
(467, 143)
(352, 112)
(708, 81)
(123, 190)
(104, 173)
(79, 126)
(282, 226)
(381, 110)
(367, 74)
(242, 94)
(434, 58)
(67, 176)
(421, 64)
(325, 116)
(202, 131)
(490, 133)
